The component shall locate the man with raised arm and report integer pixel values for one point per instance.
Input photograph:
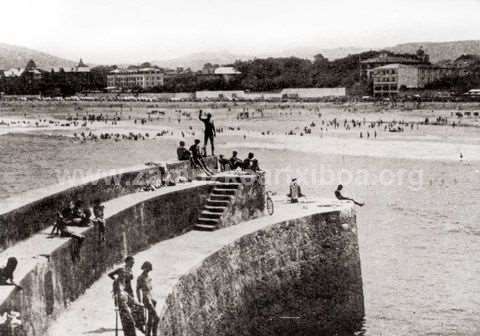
(209, 132)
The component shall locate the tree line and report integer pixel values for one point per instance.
(267, 74)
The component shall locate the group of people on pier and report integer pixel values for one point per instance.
(77, 214)
(134, 313)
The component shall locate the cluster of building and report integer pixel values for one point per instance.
(392, 74)
(37, 73)
(146, 78)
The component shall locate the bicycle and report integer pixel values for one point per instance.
(269, 202)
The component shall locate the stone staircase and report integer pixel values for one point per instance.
(220, 199)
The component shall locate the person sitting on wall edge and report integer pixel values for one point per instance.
(197, 159)
(247, 163)
(295, 191)
(235, 162)
(183, 154)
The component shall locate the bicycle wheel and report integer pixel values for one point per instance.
(270, 207)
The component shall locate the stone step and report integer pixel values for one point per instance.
(204, 227)
(218, 203)
(221, 191)
(217, 209)
(212, 215)
(207, 221)
(215, 197)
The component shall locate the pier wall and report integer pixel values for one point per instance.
(52, 275)
(56, 279)
(19, 219)
(297, 277)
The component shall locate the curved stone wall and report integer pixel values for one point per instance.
(55, 278)
(31, 212)
(52, 275)
(298, 277)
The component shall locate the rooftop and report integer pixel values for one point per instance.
(385, 58)
(226, 71)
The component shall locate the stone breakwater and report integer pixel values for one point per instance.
(23, 216)
(296, 277)
(53, 275)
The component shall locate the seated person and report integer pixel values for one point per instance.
(183, 154)
(295, 191)
(339, 196)
(235, 162)
(6, 273)
(254, 166)
(197, 159)
(64, 218)
(80, 214)
(247, 163)
(224, 163)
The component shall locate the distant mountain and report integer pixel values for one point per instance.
(12, 56)
(440, 51)
(331, 54)
(197, 60)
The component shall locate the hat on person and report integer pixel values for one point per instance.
(147, 265)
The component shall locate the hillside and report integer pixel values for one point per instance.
(197, 60)
(12, 56)
(439, 51)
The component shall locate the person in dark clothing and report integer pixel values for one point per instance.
(197, 160)
(235, 162)
(339, 196)
(255, 167)
(223, 162)
(209, 132)
(6, 273)
(183, 154)
(80, 215)
(247, 163)
(64, 218)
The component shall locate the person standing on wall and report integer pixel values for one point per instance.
(145, 297)
(123, 302)
(209, 132)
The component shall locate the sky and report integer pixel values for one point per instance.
(126, 31)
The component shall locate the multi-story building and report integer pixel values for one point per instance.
(144, 78)
(390, 79)
(386, 58)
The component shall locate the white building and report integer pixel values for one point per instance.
(391, 79)
(131, 78)
(313, 93)
(13, 72)
(219, 95)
